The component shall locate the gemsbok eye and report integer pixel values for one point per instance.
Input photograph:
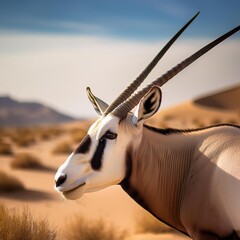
(110, 135)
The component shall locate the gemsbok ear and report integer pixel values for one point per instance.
(149, 104)
(99, 105)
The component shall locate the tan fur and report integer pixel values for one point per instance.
(179, 177)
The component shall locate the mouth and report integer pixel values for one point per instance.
(74, 193)
(73, 189)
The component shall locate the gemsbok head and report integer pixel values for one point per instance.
(152, 165)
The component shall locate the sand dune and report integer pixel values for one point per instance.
(225, 100)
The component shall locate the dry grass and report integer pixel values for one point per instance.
(215, 121)
(9, 184)
(4, 132)
(79, 132)
(169, 117)
(26, 161)
(233, 121)
(62, 148)
(146, 223)
(78, 135)
(82, 229)
(198, 123)
(21, 225)
(47, 133)
(23, 137)
(5, 148)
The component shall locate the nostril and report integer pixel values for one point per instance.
(61, 180)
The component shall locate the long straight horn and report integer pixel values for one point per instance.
(122, 110)
(136, 83)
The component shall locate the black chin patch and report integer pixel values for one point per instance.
(84, 146)
(96, 161)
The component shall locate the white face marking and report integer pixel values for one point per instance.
(81, 177)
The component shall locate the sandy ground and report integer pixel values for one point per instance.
(112, 203)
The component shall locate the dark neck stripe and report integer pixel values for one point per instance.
(126, 185)
(84, 146)
(169, 131)
(128, 169)
(96, 161)
(134, 194)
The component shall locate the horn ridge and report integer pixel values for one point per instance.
(122, 110)
(137, 82)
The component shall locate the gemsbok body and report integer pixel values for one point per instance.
(189, 179)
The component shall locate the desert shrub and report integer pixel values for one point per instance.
(233, 121)
(198, 122)
(78, 135)
(5, 148)
(83, 229)
(168, 117)
(4, 132)
(9, 184)
(26, 136)
(215, 121)
(55, 131)
(18, 225)
(23, 137)
(146, 223)
(26, 161)
(62, 148)
(42, 133)
(46, 133)
(85, 125)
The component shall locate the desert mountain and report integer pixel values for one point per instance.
(16, 113)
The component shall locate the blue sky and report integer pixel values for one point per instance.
(50, 51)
(137, 19)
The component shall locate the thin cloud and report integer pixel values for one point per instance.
(170, 8)
(36, 24)
(79, 26)
(176, 9)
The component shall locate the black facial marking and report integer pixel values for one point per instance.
(84, 146)
(96, 161)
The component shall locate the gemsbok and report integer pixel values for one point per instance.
(188, 179)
